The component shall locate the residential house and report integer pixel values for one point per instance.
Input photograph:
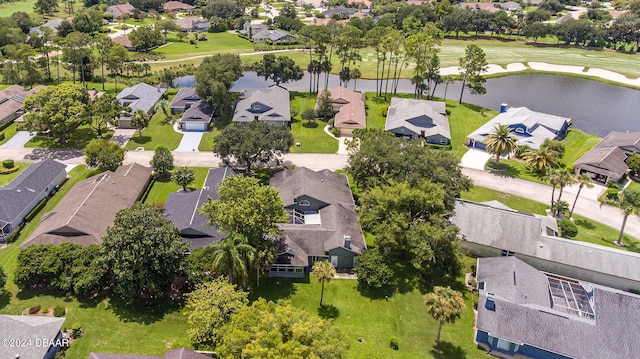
(177, 6)
(182, 208)
(349, 107)
(249, 29)
(197, 114)
(530, 128)
(184, 99)
(323, 222)
(11, 101)
(120, 11)
(85, 212)
(490, 230)
(180, 353)
(340, 12)
(525, 313)
(510, 6)
(270, 105)
(193, 24)
(52, 24)
(31, 186)
(33, 337)
(124, 41)
(411, 119)
(478, 6)
(139, 97)
(274, 37)
(360, 3)
(606, 161)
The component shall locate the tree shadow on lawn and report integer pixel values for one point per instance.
(446, 350)
(585, 224)
(140, 140)
(308, 124)
(5, 298)
(273, 289)
(143, 312)
(328, 311)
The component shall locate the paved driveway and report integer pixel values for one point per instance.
(475, 159)
(190, 142)
(122, 135)
(18, 140)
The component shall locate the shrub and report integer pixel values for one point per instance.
(612, 194)
(520, 150)
(633, 162)
(6, 171)
(372, 270)
(383, 110)
(8, 163)
(335, 132)
(59, 311)
(393, 343)
(34, 309)
(568, 229)
(76, 330)
(1, 136)
(331, 122)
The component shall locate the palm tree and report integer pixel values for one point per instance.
(165, 107)
(233, 257)
(629, 203)
(582, 180)
(500, 141)
(541, 160)
(323, 271)
(355, 75)
(553, 177)
(140, 120)
(566, 178)
(445, 305)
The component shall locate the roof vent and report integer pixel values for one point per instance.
(490, 303)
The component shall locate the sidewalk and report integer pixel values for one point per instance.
(18, 140)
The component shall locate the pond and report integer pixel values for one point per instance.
(595, 107)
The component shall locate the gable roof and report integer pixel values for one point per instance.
(539, 126)
(12, 98)
(184, 96)
(24, 189)
(418, 116)
(609, 155)
(533, 321)
(532, 235)
(181, 208)
(180, 353)
(28, 329)
(120, 9)
(351, 113)
(83, 215)
(140, 97)
(338, 218)
(177, 5)
(123, 40)
(199, 112)
(52, 24)
(338, 10)
(270, 104)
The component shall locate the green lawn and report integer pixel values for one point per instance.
(159, 132)
(5, 179)
(9, 132)
(217, 43)
(79, 139)
(310, 136)
(367, 323)
(160, 189)
(588, 230)
(7, 9)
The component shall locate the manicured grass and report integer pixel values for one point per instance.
(367, 323)
(7, 9)
(9, 132)
(576, 144)
(217, 43)
(311, 136)
(78, 140)
(5, 179)
(160, 189)
(634, 186)
(588, 230)
(159, 132)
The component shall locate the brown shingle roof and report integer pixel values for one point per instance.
(608, 156)
(180, 353)
(83, 215)
(123, 40)
(351, 112)
(177, 5)
(12, 98)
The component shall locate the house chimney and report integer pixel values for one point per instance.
(347, 241)
(503, 108)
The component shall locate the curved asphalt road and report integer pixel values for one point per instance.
(587, 205)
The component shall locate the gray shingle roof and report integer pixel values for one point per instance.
(140, 97)
(181, 208)
(533, 322)
(53, 25)
(199, 112)
(527, 234)
(609, 155)
(24, 189)
(83, 215)
(270, 104)
(540, 126)
(338, 218)
(180, 353)
(418, 116)
(28, 328)
(193, 23)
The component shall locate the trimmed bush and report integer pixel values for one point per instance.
(393, 343)
(335, 132)
(59, 311)
(612, 194)
(568, 229)
(1, 136)
(8, 163)
(76, 330)
(383, 110)
(35, 309)
(6, 171)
